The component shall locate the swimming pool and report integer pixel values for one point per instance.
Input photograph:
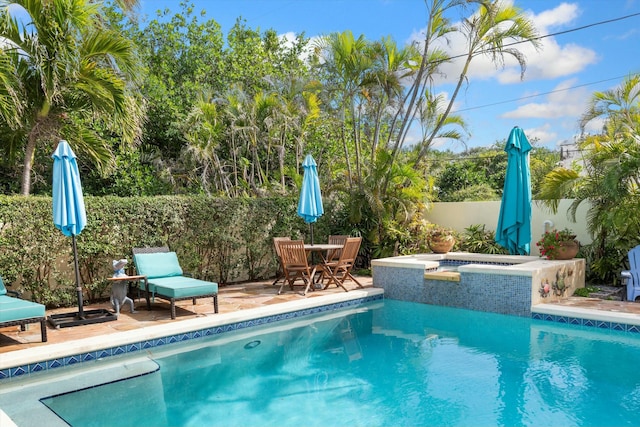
(382, 363)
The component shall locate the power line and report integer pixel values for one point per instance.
(462, 157)
(571, 30)
(536, 95)
(608, 21)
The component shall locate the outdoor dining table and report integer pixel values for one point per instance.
(320, 248)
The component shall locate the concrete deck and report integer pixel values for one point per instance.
(238, 301)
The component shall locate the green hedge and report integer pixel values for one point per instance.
(223, 240)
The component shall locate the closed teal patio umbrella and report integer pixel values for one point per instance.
(310, 202)
(70, 217)
(69, 214)
(513, 231)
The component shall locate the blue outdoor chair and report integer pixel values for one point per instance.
(632, 276)
(15, 311)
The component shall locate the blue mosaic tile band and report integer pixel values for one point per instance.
(458, 263)
(600, 324)
(19, 371)
(495, 293)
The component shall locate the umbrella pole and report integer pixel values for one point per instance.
(78, 286)
(311, 231)
(64, 320)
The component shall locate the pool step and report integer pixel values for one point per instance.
(449, 276)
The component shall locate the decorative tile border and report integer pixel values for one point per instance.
(458, 263)
(600, 324)
(19, 371)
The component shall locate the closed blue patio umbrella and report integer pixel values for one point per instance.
(514, 223)
(310, 202)
(69, 216)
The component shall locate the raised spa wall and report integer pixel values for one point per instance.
(507, 284)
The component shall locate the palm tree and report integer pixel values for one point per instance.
(70, 74)
(430, 109)
(620, 107)
(345, 61)
(610, 181)
(204, 131)
(384, 82)
(495, 23)
(298, 109)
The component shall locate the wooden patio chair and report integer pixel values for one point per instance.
(280, 273)
(295, 264)
(333, 255)
(339, 271)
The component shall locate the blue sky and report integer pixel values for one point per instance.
(558, 82)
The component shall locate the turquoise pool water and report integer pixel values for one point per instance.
(385, 363)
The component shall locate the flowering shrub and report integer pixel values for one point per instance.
(551, 242)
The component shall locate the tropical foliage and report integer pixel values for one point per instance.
(65, 75)
(608, 178)
(234, 116)
(476, 238)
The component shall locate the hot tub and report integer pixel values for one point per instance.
(507, 284)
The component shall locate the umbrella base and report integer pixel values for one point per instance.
(66, 320)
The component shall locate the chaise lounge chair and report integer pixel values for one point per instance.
(16, 311)
(165, 278)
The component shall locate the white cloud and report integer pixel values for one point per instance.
(626, 35)
(564, 13)
(561, 102)
(543, 135)
(551, 61)
(413, 136)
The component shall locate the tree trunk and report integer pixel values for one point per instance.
(28, 163)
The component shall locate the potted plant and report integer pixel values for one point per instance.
(441, 239)
(558, 244)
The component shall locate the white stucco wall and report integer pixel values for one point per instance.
(460, 215)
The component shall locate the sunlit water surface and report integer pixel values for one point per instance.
(388, 363)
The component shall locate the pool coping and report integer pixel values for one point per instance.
(32, 360)
(602, 319)
(20, 363)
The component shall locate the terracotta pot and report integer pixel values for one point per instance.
(441, 246)
(568, 250)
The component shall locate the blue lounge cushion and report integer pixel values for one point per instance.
(182, 287)
(3, 290)
(159, 264)
(12, 309)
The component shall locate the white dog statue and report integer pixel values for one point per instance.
(119, 288)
